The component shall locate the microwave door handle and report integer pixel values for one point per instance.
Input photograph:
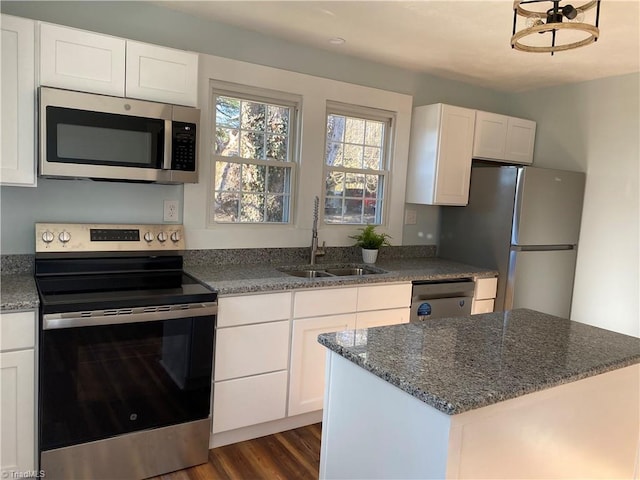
(168, 134)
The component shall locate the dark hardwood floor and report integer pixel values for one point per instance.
(290, 455)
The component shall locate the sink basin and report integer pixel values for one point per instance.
(308, 273)
(343, 272)
(319, 272)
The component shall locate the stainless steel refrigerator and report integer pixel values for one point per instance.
(523, 222)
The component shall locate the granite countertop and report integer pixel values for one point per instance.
(237, 279)
(18, 292)
(464, 363)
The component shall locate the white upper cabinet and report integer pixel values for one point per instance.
(91, 62)
(440, 155)
(80, 60)
(17, 135)
(504, 139)
(162, 74)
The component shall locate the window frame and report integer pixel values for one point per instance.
(265, 96)
(364, 113)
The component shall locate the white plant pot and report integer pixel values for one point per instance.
(369, 256)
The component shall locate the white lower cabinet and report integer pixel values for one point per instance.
(484, 295)
(18, 393)
(382, 318)
(306, 389)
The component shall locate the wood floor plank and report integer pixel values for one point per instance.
(290, 455)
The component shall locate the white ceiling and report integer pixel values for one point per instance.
(455, 39)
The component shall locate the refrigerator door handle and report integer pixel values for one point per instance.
(541, 248)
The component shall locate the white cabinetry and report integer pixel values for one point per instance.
(18, 393)
(17, 140)
(484, 295)
(333, 310)
(440, 155)
(251, 360)
(91, 62)
(503, 138)
(80, 60)
(161, 74)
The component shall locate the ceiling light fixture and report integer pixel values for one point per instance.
(566, 24)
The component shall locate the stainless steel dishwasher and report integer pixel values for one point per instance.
(437, 299)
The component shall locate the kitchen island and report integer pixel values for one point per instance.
(515, 394)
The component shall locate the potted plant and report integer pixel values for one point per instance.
(370, 241)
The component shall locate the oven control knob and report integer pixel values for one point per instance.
(47, 236)
(64, 236)
(148, 237)
(175, 237)
(162, 237)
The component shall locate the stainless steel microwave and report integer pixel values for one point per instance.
(83, 135)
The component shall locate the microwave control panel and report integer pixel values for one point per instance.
(184, 147)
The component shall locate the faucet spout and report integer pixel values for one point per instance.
(315, 250)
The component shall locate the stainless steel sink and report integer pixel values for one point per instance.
(308, 273)
(330, 271)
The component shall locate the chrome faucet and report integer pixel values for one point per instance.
(315, 250)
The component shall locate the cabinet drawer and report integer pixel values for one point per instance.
(325, 302)
(251, 349)
(242, 310)
(379, 297)
(18, 330)
(249, 401)
(486, 288)
(381, 318)
(482, 306)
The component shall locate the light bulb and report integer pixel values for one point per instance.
(534, 20)
(579, 18)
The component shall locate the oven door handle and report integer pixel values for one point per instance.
(117, 316)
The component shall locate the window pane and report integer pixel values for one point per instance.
(225, 207)
(333, 210)
(354, 185)
(253, 178)
(371, 186)
(252, 145)
(354, 131)
(227, 142)
(372, 158)
(371, 209)
(227, 176)
(276, 211)
(278, 119)
(227, 112)
(278, 180)
(334, 154)
(374, 132)
(276, 147)
(353, 156)
(353, 213)
(252, 207)
(334, 184)
(253, 116)
(335, 128)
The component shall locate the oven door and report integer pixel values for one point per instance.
(101, 381)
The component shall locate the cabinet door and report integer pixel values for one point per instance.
(454, 156)
(328, 301)
(162, 74)
(521, 136)
(80, 60)
(246, 309)
(17, 136)
(17, 403)
(251, 349)
(248, 401)
(482, 306)
(17, 330)
(380, 297)
(490, 136)
(306, 386)
(381, 318)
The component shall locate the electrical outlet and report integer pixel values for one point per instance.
(171, 210)
(410, 217)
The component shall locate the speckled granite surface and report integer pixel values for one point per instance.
(464, 363)
(237, 279)
(18, 292)
(12, 264)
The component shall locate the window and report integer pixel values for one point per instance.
(253, 155)
(356, 165)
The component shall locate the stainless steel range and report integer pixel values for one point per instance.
(126, 351)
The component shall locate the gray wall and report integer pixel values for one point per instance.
(593, 127)
(154, 24)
